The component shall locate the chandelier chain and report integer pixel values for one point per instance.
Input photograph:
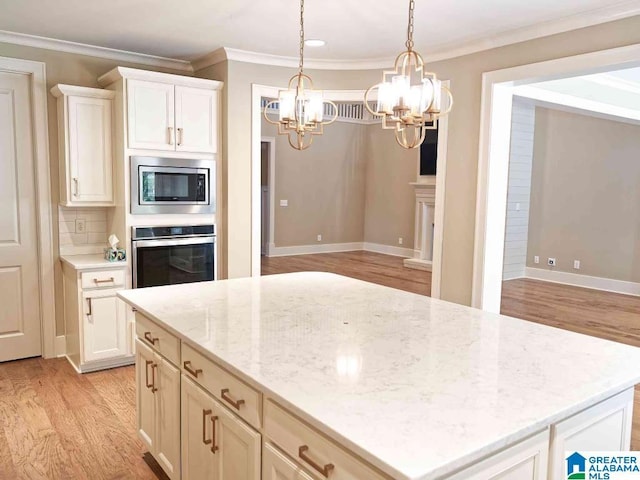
(409, 43)
(301, 64)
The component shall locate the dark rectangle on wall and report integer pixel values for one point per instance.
(429, 153)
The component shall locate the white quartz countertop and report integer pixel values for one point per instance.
(416, 386)
(86, 262)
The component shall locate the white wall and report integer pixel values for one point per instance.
(519, 190)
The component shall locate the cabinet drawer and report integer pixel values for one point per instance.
(236, 395)
(158, 338)
(311, 449)
(102, 279)
(276, 466)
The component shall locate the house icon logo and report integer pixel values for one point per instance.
(576, 466)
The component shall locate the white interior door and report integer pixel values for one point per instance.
(19, 277)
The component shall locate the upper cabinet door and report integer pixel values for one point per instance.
(90, 150)
(196, 120)
(151, 115)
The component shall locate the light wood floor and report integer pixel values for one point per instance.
(56, 424)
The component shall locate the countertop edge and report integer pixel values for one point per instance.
(438, 472)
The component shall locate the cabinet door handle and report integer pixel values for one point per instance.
(324, 471)
(180, 132)
(187, 367)
(170, 135)
(90, 312)
(205, 413)
(151, 385)
(76, 187)
(106, 280)
(149, 338)
(234, 403)
(214, 447)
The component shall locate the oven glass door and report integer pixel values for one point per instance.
(168, 262)
(173, 185)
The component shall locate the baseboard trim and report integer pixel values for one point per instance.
(585, 281)
(311, 249)
(61, 346)
(388, 249)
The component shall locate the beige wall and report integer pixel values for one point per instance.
(390, 200)
(585, 200)
(324, 186)
(465, 74)
(74, 70)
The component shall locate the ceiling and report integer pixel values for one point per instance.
(353, 29)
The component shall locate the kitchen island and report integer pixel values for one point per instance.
(314, 375)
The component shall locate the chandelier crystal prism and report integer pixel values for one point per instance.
(301, 108)
(410, 99)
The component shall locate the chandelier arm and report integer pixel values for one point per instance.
(433, 97)
(366, 101)
(301, 63)
(450, 98)
(264, 113)
(335, 110)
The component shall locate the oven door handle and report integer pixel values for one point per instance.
(173, 242)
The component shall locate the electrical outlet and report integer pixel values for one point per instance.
(319, 238)
(576, 264)
(400, 240)
(284, 203)
(81, 225)
(536, 259)
(551, 262)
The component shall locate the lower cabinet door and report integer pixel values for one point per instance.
(198, 458)
(104, 325)
(146, 370)
(238, 457)
(167, 451)
(276, 466)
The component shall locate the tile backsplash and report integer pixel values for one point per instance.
(76, 241)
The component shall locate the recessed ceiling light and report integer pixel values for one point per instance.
(314, 42)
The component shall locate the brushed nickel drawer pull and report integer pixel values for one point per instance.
(205, 413)
(234, 403)
(214, 447)
(149, 338)
(187, 367)
(325, 471)
(179, 136)
(75, 183)
(170, 135)
(108, 280)
(151, 385)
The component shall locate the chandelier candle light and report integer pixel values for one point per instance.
(301, 108)
(409, 98)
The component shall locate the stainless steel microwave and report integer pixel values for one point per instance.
(172, 185)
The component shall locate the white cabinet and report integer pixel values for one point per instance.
(216, 444)
(96, 325)
(158, 408)
(105, 325)
(604, 427)
(276, 466)
(151, 116)
(85, 129)
(165, 116)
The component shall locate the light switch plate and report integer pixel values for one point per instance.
(284, 203)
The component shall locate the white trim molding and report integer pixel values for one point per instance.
(387, 249)
(61, 346)
(94, 51)
(38, 85)
(585, 281)
(311, 249)
(493, 157)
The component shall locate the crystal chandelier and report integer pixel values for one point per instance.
(409, 98)
(301, 108)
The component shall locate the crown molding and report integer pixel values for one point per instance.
(94, 51)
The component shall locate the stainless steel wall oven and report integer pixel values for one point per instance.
(168, 255)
